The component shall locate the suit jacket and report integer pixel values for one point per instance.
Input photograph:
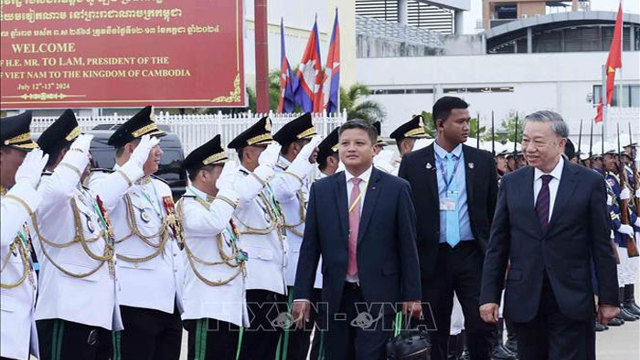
(386, 253)
(419, 168)
(576, 237)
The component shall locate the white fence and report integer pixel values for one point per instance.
(194, 130)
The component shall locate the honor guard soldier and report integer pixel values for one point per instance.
(328, 159)
(406, 136)
(147, 236)
(77, 304)
(627, 157)
(291, 184)
(261, 225)
(621, 231)
(383, 159)
(22, 164)
(214, 287)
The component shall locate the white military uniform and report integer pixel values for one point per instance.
(18, 281)
(151, 271)
(214, 286)
(261, 227)
(293, 194)
(78, 272)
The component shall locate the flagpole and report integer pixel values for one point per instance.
(603, 96)
(621, 52)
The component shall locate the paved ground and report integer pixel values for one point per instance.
(617, 343)
(620, 343)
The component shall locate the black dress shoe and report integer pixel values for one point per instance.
(512, 345)
(627, 316)
(600, 327)
(499, 352)
(616, 321)
(631, 308)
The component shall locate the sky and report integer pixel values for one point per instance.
(475, 14)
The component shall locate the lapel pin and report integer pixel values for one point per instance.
(471, 165)
(428, 166)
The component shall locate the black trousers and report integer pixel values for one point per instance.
(60, 340)
(551, 335)
(268, 316)
(148, 335)
(355, 331)
(212, 339)
(458, 269)
(300, 339)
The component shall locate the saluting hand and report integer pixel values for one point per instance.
(31, 169)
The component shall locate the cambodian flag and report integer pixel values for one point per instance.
(331, 86)
(288, 81)
(309, 92)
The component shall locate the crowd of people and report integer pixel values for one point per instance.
(310, 247)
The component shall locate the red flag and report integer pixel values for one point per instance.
(614, 61)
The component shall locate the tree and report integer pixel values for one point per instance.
(355, 102)
(430, 127)
(508, 129)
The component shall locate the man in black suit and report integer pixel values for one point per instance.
(454, 190)
(362, 222)
(551, 224)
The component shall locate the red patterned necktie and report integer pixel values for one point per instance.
(354, 223)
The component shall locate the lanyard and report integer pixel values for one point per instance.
(355, 202)
(96, 208)
(447, 182)
(151, 202)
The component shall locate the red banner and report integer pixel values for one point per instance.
(121, 53)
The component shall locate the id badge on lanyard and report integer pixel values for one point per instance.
(450, 200)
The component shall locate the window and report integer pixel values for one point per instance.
(506, 11)
(630, 95)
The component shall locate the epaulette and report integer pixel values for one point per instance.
(46, 173)
(282, 166)
(159, 178)
(188, 196)
(244, 172)
(104, 170)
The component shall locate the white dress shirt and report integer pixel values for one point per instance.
(363, 185)
(556, 173)
(363, 191)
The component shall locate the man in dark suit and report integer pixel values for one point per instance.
(362, 222)
(552, 224)
(454, 191)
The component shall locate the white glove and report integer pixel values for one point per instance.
(625, 194)
(31, 169)
(626, 229)
(134, 166)
(637, 223)
(270, 155)
(225, 180)
(609, 200)
(638, 193)
(142, 151)
(301, 166)
(78, 154)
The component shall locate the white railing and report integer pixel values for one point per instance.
(195, 129)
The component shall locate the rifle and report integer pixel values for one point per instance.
(515, 146)
(579, 142)
(636, 177)
(632, 250)
(493, 136)
(478, 131)
(591, 142)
